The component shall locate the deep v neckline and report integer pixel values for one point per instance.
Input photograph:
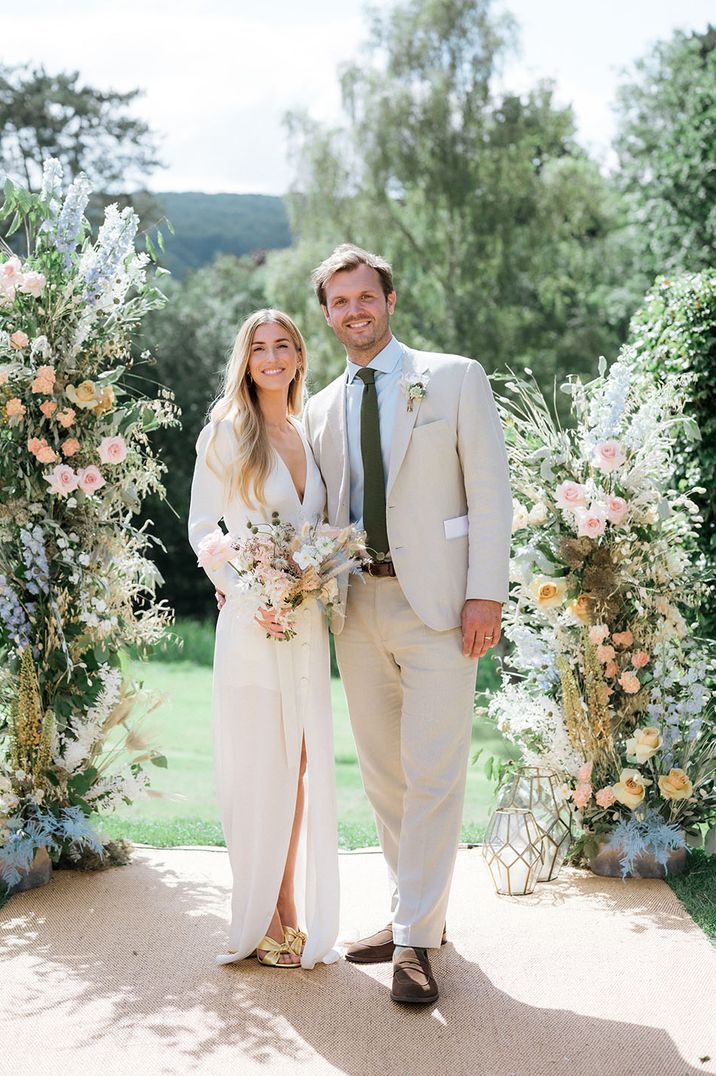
(287, 469)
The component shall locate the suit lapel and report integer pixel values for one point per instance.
(334, 425)
(404, 419)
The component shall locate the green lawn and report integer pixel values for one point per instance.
(182, 809)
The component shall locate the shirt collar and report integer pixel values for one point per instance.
(385, 362)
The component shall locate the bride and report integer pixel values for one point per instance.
(273, 740)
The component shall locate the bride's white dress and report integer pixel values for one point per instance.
(267, 697)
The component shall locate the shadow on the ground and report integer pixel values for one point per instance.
(129, 953)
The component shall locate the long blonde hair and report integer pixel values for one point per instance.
(246, 472)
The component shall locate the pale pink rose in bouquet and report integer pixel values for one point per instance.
(112, 449)
(10, 277)
(605, 653)
(582, 795)
(617, 509)
(48, 408)
(66, 417)
(605, 796)
(62, 480)
(598, 633)
(32, 284)
(591, 522)
(584, 773)
(19, 340)
(623, 639)
(640, 658)
(90, 479)
(44, 380)
(70, 446)
(14, 408)
(630, 682)
(569, 495)
(215, 550)
(609, 456)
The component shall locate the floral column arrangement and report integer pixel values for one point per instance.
(76, 581)
(610, 687)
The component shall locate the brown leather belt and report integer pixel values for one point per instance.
(379, 568)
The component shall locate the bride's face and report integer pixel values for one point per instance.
(274, 359)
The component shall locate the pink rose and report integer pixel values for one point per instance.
(617, 509)
(606, 653)
(62, 479)
(48, 408)
(570, 495)
(598, 633)
(215, 550)
(605, 796)
(10, 272)
(582, 795)
(639, 659)
(611, 669)
(112, 449)
(34, 445)
(630, 682)
(19, 340)
(623, 638)
(45, 454)
(32, 284)
(609, 456)
(69, 446)
(44, 380)
(90, 479)
(14, 408)
(66, 417)
(591, 522)
(584, 774)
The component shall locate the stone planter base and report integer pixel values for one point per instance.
(606, 863)
(39, 873)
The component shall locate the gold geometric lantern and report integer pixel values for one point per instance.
(538, 790)
(513, 851)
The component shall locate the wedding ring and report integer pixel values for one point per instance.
(488, 637)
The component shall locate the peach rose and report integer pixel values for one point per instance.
(617, 509)
(45, 454)
(584, 773)
(66, 417)
(112, 449)
(548, 592)
(639, 659)
(62, 480)
(643, 744)
(631, 788)
(598, 634)
(630, 682)
(83, 395)
(609, 456)
(44, 381)
(32, 284)
(605, 653)
(69, 446)
(591, 522)
(48, 408)
(34, 445)
(19, 340)
(569, 495)
(90, 479)
(582, 795)
(105, 400)
(623, 638)
(605, 796)
(675, 785)
(611, 669)
(579, 608)
(14, 408)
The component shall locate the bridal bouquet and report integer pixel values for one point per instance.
(284, 568)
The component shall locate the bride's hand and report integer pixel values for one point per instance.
(265, 620)
(220, 599)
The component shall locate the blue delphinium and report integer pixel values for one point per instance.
(37, 570)
(114, 242)
(13, 615)
(66, 230)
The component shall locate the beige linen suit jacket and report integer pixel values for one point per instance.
(448, 501)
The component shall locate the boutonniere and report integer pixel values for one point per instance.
(415, 388)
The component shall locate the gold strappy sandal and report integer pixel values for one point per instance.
(273, 951)
(295, 939)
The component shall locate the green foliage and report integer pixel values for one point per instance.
(696, 889)
(503, 234)
(666, 152)
(674, 332)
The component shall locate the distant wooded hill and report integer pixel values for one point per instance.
(209, 224)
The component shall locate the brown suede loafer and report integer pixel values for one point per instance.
(413, 982)
(378, 948)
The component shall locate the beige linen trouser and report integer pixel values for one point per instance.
(410, 697)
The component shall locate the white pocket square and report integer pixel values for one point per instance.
(456, 528)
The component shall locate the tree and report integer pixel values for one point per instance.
(666, 143)
(503, 234)
(88, 130)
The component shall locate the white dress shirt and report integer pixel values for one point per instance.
(388, 365)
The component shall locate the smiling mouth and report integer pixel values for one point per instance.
(273, 371)
(357, 326)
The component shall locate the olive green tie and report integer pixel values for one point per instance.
(373, 475)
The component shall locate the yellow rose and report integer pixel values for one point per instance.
(631, 788)
(84, 395)
(579, 608)
(644, 743)
(105, 400)
(675, 785)
(547, 592)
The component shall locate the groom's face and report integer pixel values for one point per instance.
(358, 311)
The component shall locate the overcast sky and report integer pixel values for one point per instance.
(218, 75)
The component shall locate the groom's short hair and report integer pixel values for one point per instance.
(344, 258)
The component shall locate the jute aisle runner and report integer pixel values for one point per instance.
(113, 973)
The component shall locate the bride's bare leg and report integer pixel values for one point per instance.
(286, 905)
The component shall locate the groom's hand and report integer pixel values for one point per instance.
(481, 620)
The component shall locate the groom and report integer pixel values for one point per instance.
(410, 447)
